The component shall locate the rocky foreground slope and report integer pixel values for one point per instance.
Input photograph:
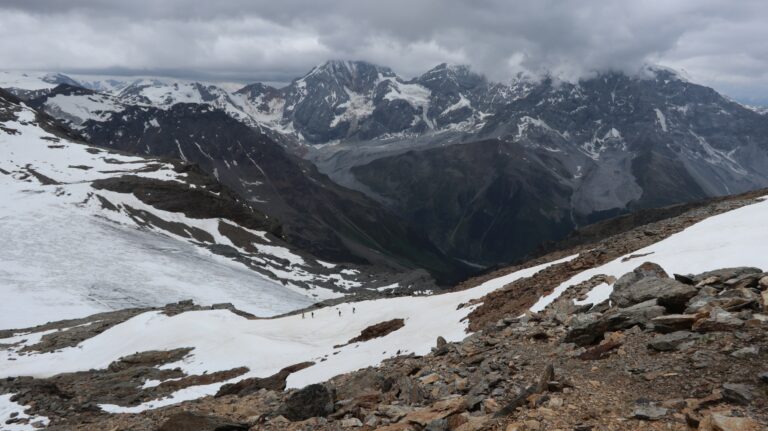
(658, 327)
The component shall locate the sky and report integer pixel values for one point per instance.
(720, 43)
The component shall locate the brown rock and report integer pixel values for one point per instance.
(490, 405)
(191, 421)
(439, 410)
(763, 283)
(431, 378)
(378, 330)
(275, 382)
(718, 320)
(674, 322)
(722, 422)
(474, 423)
(612, 341)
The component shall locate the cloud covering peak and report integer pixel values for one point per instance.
(718, 42)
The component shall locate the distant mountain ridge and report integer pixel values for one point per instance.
(486, 170)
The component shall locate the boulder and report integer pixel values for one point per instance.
(744, 281)
(746, 352)
(646, 270)
(723, 275)
(737, 393)
(706, 295)
(718, 320)
(763, 283)
(638, 314)
(586, 329)
(649, 411)
(312, 401)
(671, 294)
(673, 322)
(739, 292)
(589, 328)
(671, 341)
(191, 421)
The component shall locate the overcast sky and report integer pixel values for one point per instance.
(721, 43)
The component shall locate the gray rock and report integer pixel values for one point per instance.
(737, 393)
(312, 401)
(700, 360)
(351, 423)
(410, 391)
(585, 329)
(701, 300)
(437, 425)
(647, 269)
(671, 341)
(670, 293)
(394, 412)
(649, 412)
(718, 320)
(638, 314)
(746, 352)
(589, 328)
(440, 342)
(726, 273)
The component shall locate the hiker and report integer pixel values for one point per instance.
(302, 314)
(353, 310)
(339, 313)
(313, 314)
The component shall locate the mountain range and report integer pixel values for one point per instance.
(179, 255)
(447, 171)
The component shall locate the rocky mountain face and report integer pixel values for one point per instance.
(512, 164)
(606, 146)
(358, 101)
(316, 214)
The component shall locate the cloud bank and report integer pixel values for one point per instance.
(718, 42)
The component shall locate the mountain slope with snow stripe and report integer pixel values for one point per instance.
(736, 238)
(72, 249)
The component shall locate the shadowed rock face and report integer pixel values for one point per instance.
(482, 202)
(195, 203)
(565, 155)
(313, 401)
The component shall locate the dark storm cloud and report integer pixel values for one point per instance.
(717, 41)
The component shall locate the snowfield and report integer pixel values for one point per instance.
(735, 238)
(64, 255)
(223, 340)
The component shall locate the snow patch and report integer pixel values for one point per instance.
(734, 238)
